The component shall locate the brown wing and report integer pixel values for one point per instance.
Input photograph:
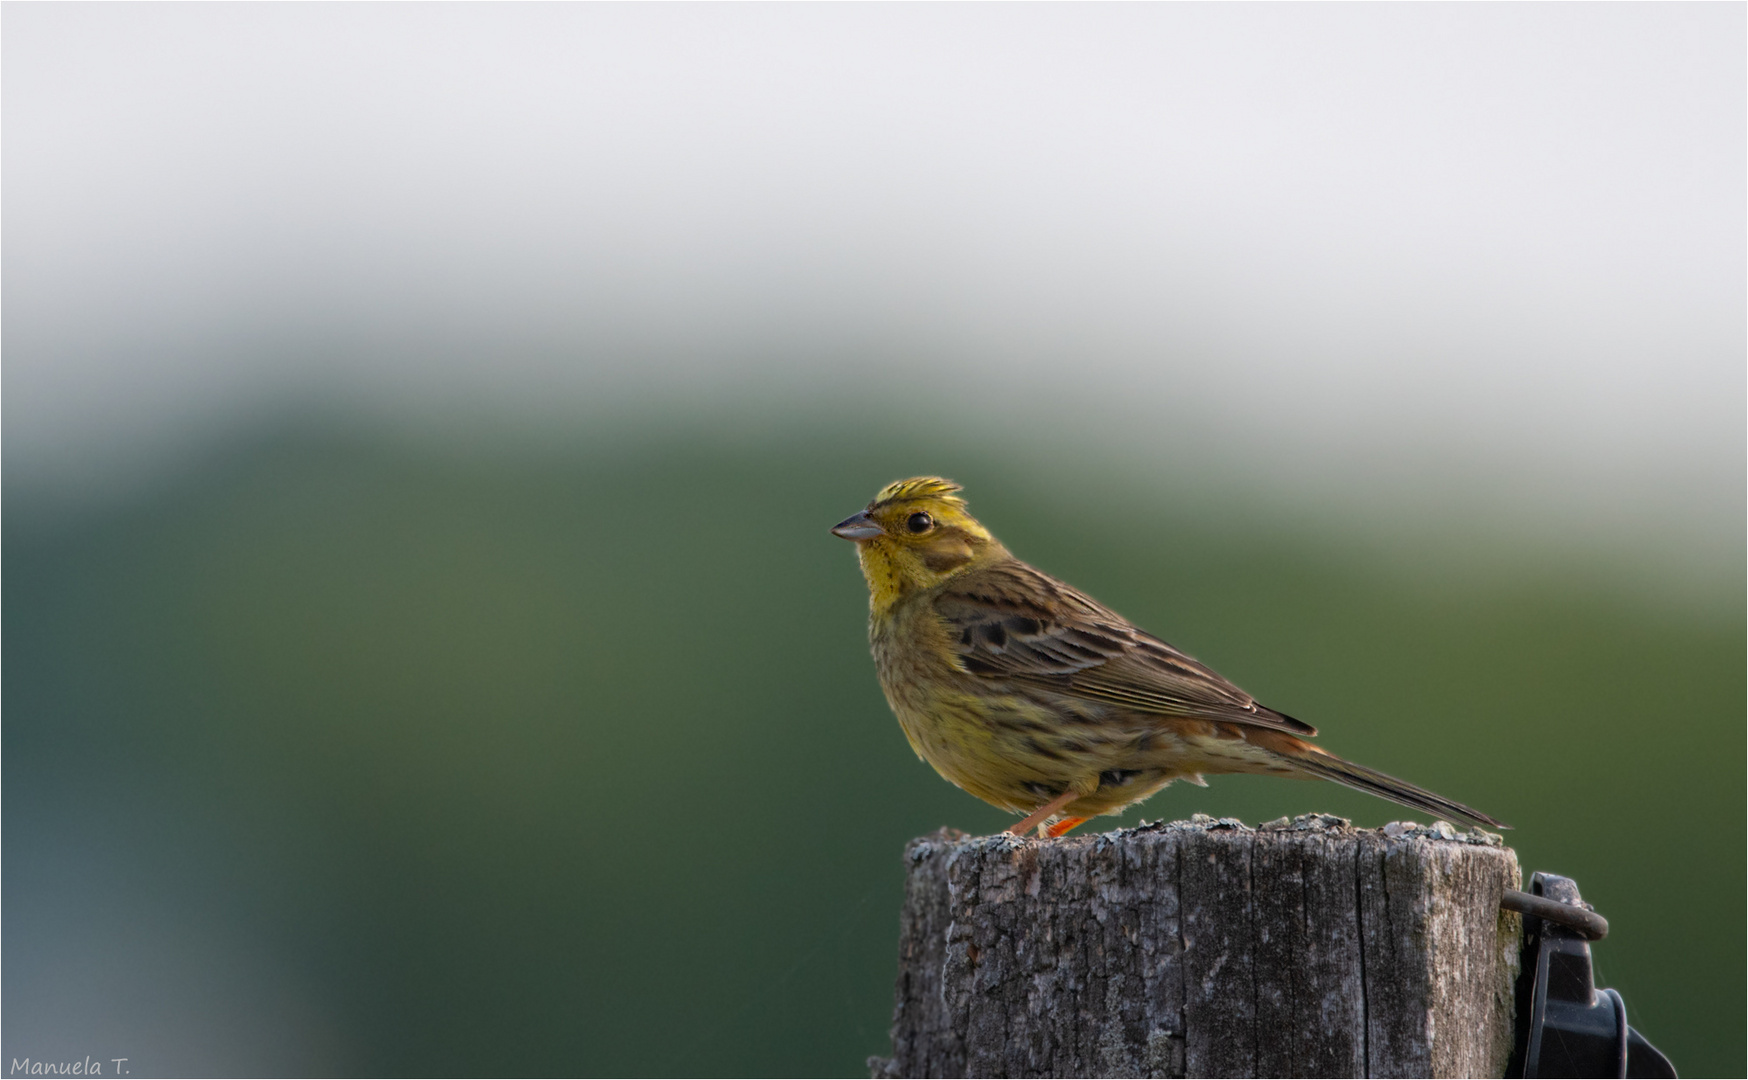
(1013, 622)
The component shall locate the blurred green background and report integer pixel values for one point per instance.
(357, 754)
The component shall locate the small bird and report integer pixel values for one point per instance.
(1038, 699)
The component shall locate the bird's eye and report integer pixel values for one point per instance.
(920, 522)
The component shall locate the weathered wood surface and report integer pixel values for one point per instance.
(1206, 948)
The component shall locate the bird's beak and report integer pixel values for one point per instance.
(857, 527)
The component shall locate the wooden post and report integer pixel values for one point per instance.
(1206, 948)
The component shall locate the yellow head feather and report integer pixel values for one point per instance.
(919, 487)
(925, 537)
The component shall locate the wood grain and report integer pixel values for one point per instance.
(1206, 948)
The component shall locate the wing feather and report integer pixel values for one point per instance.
(1013, 622)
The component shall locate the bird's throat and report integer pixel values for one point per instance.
(888, 583)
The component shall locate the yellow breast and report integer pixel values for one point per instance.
(976, 739)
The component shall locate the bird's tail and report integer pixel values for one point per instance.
(1327, 766)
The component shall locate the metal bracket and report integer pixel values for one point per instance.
(1565, 1025)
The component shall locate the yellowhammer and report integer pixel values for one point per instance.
(1036, 698)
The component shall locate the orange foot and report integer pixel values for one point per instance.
(1063, 827)
(1045, 813)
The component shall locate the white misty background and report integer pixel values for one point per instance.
(1475, 260)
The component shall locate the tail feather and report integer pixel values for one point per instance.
(1329, 767)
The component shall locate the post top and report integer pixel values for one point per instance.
(1438, 831)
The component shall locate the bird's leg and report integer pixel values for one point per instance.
(1045, 811)
(1061, 828)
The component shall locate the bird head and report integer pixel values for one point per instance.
(915, 534)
